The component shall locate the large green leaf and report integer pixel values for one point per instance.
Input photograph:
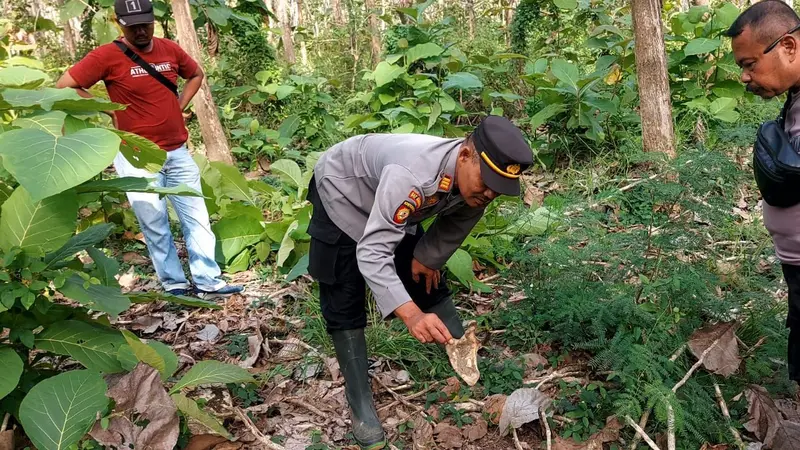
(460, 265)
(725, 15)
(219, 15)
(422, 51)
(46, 164)
(701, 45)
(106, 268)
(35, 226)
(462, 80)
(289, 126)
(22, 77)
(209, 372)
(386, 73)
(287, 244)
(566, 72)
(543, 115)
(289, 171)
(59, 411)
(436, 111)
(51, 122)
(51, 98)
(235, 234)
(134, 184)
(72, 8)
(94, 347)
(566, 4)
(104, 28)
(141, 152)
(128, 359)
(12, 370)
(228, 181)
(724, 109)
(88, 238)
(145, 353)
(190, 409)
(533, 223)
(240, 262)
(97, 297)
(150, 297)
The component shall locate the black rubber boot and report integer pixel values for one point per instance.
(351, 351)
(448, 314)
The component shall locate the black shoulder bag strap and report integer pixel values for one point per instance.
(147, 67)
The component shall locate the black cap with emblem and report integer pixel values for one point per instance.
(134, 12)
(504, 154)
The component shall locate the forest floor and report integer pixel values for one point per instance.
(275, 330)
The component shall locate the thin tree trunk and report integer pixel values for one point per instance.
(469, 5)
(374, 32)
(216, 144)
(509, 17)
(69, 40)
(655, 106)
(286, 27)
(300, 23)
(338, 17)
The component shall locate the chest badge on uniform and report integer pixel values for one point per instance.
(414, 195)
(402, 212)
(444, 185)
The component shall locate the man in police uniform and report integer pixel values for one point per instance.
(370, 193)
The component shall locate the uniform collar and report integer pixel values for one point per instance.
(447, 173)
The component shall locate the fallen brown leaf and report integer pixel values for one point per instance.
(204, 442)
(477, 430)
(422, 437)
(521, 407)
(766, 422)
(140, 397)
(135, 259)
(724, 358)
(128, 279)
(789, 408)
(708, 446)
(463, 354)
(147, 324)
(452, 388)
(533, 196)
(609, 433)
(254, 345)
(493, 407)
(448, 436)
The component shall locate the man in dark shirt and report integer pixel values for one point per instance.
(154, 112)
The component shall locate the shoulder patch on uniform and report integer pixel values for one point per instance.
(444, 184)
(414, 195)
(403, 211)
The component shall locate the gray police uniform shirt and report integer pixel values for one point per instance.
(378, 187)
(783, 224)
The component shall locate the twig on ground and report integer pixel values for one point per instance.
(640, 431)
(700, 360)
(670, 427)
(547, 432)
(399, 397)
(517, 444)
(5, 422)
(304, 404)
(566, 372)
(183, 324)
(490, 278)
(678, 353)
(724, 407)
(298, 342)
(755, 346)
(268, 444)
(409, 397)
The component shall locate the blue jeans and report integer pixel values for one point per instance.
(192, 213)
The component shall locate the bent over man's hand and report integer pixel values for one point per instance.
(425, 327)
(432, 276)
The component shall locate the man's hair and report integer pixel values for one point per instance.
(766, 19)
(469, 139)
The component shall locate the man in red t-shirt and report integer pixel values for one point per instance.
(155, 112)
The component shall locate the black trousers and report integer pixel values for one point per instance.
(342, 289)
(792, 276)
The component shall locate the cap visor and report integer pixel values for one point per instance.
(497, 182)
(139, 19)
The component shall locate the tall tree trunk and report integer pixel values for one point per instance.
(508, 13)
(286, 26)
(469, 6)
(69, 39)
(374, 32)
(338, 17)
(300, 23)
(655, 106)
(216, 144)
(354, 51)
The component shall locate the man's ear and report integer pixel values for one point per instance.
(465, 152)
(790, 46)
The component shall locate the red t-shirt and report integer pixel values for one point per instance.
(153, 111)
